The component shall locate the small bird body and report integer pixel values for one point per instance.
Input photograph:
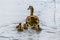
(19, 27)
(25, 26)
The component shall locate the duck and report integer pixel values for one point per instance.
(32, 19)
(19, 27)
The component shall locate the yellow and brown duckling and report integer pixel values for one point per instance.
(25, 26)
(33, 27)
(19, 27)
(36, 27)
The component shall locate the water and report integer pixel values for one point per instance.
(13, 12)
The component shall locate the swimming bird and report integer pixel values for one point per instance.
(19, 27)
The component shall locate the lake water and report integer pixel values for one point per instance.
(12, 12)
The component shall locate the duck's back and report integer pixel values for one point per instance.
(32, 20)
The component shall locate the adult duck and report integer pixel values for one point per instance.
(32, 19)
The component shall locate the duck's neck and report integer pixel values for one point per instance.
(32, 11)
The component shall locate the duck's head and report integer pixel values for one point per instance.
(30, 7)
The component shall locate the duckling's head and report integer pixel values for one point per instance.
(19, 23)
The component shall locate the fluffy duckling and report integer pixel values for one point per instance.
(36, 27)
(25, 26)
(33, 27)
(19, 27)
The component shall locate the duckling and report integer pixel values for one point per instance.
(33, 27)
(32, 19)
(36, 27)
(19, 27)
(25, 26)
